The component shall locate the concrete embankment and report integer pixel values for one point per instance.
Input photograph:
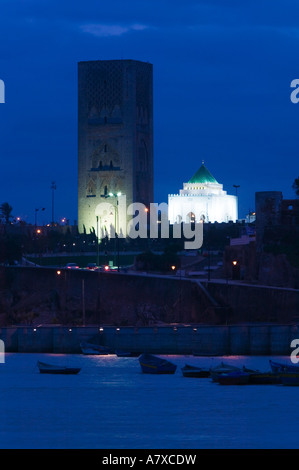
(247, 339)
(75, 297)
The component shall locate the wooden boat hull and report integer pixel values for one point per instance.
(233, 378)
(121, 353)
(221, 369)
(280, 367)
(290, 379)
(257, 377)
(94, 349)
(51, 369)
(264, 378)
(195, 372)
(155, 365)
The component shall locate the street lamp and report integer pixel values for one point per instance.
(98, 254)
(116, 227)
(36, 211)
(53, 187)
(236, 186)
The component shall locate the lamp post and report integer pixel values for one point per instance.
(63, 276)
(98, 260)
(236, 186)
(83, 302)
(116, 226)
(35, 215)
(53, 187)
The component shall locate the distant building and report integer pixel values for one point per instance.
(267, 250)
(115, 141)
(202, 198)
(274, 211)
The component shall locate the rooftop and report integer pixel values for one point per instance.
(203, 176)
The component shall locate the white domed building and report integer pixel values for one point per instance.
(202, 198)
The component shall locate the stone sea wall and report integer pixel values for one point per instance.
(201, 340)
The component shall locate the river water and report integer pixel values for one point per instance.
(111, 404)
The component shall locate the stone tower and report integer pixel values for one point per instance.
(115, 141)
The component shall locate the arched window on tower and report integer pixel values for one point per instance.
(91, 189)
(190, 218)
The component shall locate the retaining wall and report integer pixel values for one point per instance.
(266, 339)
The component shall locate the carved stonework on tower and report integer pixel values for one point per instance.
(115, 135)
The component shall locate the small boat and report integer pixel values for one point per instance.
(123, 353)
(53, 369)
(257, 377)
(280, 367)
(220, 369)
(290, 378)
(156, 365)
(97, 349)
(235, 377)
(193, 371)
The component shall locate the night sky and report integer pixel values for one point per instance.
(222, 74)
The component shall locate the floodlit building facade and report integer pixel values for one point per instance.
(202, 198)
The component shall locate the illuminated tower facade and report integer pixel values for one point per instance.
(115, 141)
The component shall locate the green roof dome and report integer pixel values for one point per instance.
(202, 176)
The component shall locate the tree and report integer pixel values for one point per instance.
(296, 186)
(6, 211)
(10, 250)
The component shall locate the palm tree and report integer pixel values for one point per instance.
(6, 210)
(296, 186)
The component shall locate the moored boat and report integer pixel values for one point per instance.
(281, 367)
(222, 368)
(55, 369)
(94, 349)
(124, 353)
(264, 378)
(257, 377)
(235, 377)
(193, 371)
(290, 378)
(151, 364)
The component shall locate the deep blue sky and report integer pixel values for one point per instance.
(222, 74)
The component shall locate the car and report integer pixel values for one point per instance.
(72, 266)
(91, 266)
